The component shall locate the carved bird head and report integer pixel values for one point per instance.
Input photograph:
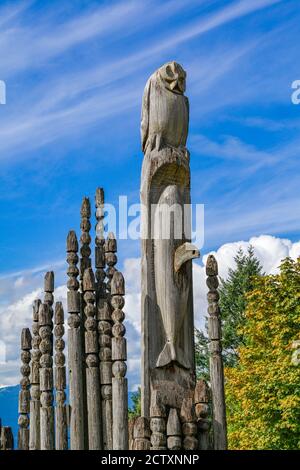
(173, 76)
(184, 253)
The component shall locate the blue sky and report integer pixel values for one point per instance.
(75, 74)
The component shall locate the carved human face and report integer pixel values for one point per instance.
(173, 77)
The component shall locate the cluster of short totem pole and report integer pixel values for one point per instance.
(97, 414)
(177, 412)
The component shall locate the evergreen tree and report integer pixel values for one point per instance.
(233, 301)
(201, 355)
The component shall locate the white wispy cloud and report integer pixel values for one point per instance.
(227, 14)
(231, 148)
(35, 44)
(10, 12)
(66, 102)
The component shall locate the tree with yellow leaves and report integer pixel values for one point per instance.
(263, 390)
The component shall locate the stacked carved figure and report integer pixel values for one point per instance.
(168, 355)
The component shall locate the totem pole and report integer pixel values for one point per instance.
(168, 375)
(119, 356)
(75, 347)
(46, 377)
(216, 360)
(104, 324)
(92, 362)
(61, 425)
(24, 393)
(35, 404)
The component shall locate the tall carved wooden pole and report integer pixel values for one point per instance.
(84, 263)
(92, 362)
(105, 337)
(168, 365)
(74, 347)
(216, 362)
(24, 394)
(35, 404)
(119, 356)
(61, 428)
(46, 362)
(46, 378)
(104, 324)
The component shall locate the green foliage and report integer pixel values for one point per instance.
(135, 410)
(263, 390)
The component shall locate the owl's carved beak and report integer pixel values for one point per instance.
(184, 253)
(174, 85)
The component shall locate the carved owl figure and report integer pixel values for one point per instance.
(165, 109)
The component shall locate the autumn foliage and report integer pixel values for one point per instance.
(263, 389)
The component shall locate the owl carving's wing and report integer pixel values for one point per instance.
(145, 115)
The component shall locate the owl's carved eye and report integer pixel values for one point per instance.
(169, 72)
